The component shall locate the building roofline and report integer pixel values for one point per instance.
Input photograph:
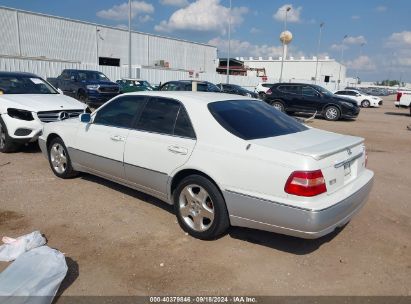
(101, 25)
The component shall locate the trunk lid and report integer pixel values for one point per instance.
(341, 158)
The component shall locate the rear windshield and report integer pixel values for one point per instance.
(250, 119)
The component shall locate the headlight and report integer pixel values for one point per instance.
(20, 114)
(348, 104)
(93, 87)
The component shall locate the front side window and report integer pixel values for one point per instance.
(120, 112)
(340, 93)
(25, 84)
(250, 120)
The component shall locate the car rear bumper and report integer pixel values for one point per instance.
(257, 213)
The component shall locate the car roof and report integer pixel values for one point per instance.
(17, 74)
(193, 98)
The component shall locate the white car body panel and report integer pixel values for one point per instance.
(374, 100)
(34, 103)
(405, 100)
(250, 173)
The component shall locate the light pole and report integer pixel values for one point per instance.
(129, 38)
(318, 52)
(356, 72)
(98, 37)
(342, 56)
(284, 44)
(229, 44)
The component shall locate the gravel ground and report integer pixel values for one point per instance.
(121, 242)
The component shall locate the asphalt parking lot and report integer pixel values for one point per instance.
(121, 242)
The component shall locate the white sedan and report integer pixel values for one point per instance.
(220, 159)
(363, 100)
(26, 103)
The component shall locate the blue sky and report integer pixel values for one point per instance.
(378, 45)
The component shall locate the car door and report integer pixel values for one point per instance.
(162, 141)
(99, 146)
(312, 99)
(291, 96)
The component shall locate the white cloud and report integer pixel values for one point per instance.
(355, 17)
(402, 39)
(178, 3)
(292, 16)
(355, 40)
(120, 12)
(362, 63)
(337, 47)
(145, 18)
(203, 16)
(255, 30)
(245, 48)
(381, 8)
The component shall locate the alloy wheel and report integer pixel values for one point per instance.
(196, 207)
(58, 158)
(332, 113)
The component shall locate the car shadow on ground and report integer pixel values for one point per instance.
(29, 148)
(272, 240)
(304, 116)
(398, 113)
(289, 244)
(129, 191)
(71, 276)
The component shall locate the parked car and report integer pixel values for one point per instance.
(219, 161)
(309, 98)
(128, 85)
(26, 103)
(362, 99)
(91, 87)
(186, 85)
(236, 89)
(403, 99)
(262, 88)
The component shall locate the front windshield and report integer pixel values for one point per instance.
(323, 91)
(25, 85)
(91, 75)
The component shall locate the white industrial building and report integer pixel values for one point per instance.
(45, 45)
(43, 38)
(302, 69)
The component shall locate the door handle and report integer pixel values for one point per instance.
(117, 138)
(178, 150)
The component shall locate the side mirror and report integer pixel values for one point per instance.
(319, 95)
(73, 78)
(358, 95)
(85, 117)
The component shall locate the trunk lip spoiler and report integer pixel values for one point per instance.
(319, 156)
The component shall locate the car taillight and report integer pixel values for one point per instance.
(269, 92)
(399, 96)
(306, 183)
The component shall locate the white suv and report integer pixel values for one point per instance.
(26, 102)
(262, 88)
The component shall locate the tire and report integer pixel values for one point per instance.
(262, 95)
(82, 96)
(6, 142)
(365, 104)
(59, 159)
(278, 105)
(332, 113)
(200, 208)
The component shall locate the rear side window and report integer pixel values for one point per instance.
(290, 89)
(267, 85)
(249, 119)
(165, 116)
(183, 125)
(120, 112)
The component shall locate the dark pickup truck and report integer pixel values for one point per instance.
(90, 87)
